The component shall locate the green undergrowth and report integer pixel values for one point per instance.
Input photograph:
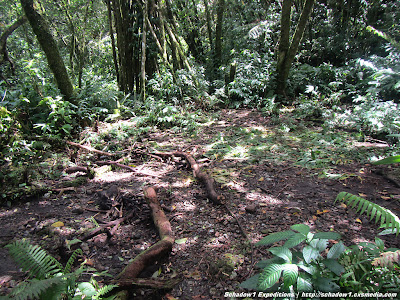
(304, 144)
(282, 140)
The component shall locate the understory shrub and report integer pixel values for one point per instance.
(324, 264)
(253, 83)
(167, 115)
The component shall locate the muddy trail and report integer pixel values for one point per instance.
(268, 181)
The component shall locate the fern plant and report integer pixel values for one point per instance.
(305, 269)
(369, 268)
(50, 280)
(388, 219)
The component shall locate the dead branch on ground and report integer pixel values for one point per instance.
(117, 164)
(154, 283)
(209, 185)
(90, 149)
(104, 228)
(156, 251)
(203, 177)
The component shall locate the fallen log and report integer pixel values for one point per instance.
(156, 251)
(203, 177)
(210, 188)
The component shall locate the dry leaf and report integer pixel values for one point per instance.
(57, 224)
(358, 221)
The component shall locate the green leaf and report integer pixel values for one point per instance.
(321, 245)
(304, 284)
(275, 237)
(326, 285)
(282, 252)
(310, 253)
(336, 250)
(251, 283)
(87, 289)
(388, 160)
(290, 274)
(310, 269)
(330, 235)
(263, 263)
(388, 231)
(295, 240)
(270, 276)
(334, 266)
(302, 228)
(34, 259)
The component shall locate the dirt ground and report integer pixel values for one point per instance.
(211, 255)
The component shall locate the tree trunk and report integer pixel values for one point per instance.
(128, 60)
(286, 51)
(208, 22)
(3, 44)
(218, 34)
(175, 43)
(283, 42)
(143, 62)
(114, 51)
(49, 46)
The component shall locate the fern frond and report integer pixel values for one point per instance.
(372, 210)
(104, 290)
(71, 260)
(34, 289)
(34, 259)
(355, 263)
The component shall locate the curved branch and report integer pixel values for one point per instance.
(159, 249)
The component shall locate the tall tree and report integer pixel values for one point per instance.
(49, 46)
(218, 33)
(124, 13)
(143, 61)
(4, 57)
(77, 24)
(288, 49)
